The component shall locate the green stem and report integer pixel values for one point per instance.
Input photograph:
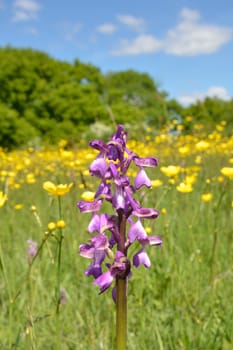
(215, 237)
(121, 291)
(121, 314)
(57, 296)
(10, 299)
(58, 271)
(60, 238)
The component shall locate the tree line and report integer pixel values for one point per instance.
(44, 100)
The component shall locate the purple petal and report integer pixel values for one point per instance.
(94, 268)
(32, 248)
(101, 223)
(94, 224)
(104, 190)
(154, 240)
(136, 231)
(142, 179)
(115, 151)
(114, 294)
(119, 256)
(99, 145)
(86, 250)
(141, 258)
(118, 200)
(120, 134)
(146, 162)
(146, 213)
(100, 241)
(88, 207)
(104, 281)
(98, 167)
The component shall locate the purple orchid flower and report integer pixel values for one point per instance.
(141, 257)
(120, 267)
(110, 240)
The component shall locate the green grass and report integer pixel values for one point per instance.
(184, 301)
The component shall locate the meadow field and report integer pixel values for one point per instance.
(183, 302)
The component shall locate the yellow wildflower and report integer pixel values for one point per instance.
(184, 150)
(33, 208)
(188, 118)
(18, 206)
(198, 160)
(170, 170)
(88, 196)
(184, 187)
(156, 183)
(163, 211)
(202, 146)
(57, 190)
(227, 171)
(52, 226)
(3, 198)
(171, 181)
(148, 229)
(30, 178)
(61, 224)
(220, 179)
(190, 179)
(207, 197)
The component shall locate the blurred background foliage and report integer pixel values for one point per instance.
(44, 100)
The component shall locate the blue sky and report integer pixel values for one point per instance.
(185, 46)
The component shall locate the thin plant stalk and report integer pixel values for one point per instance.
(121, 291)
(215, 237)
(58, 287)
(121, 314)
(10, 299)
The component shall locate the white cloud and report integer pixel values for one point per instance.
(189, 15)
(213, 92)
(189, 38)
(132, 22)
(25, 10)
(107, 28)
(141, 45)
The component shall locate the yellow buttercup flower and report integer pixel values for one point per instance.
(148, 230)
(163, 211)
(171, 170)
(88, 196)
(190, 179)
(3, 198)
(206, 197)
(33, 208)
(202, 145)
(61, 224)
(156, 183)
(184, 150)
(18, 206)
(220, 179)
(188, 118)
(228, 172)
(52, 226)
(57, 190)
(198, 160)
(184, 187)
